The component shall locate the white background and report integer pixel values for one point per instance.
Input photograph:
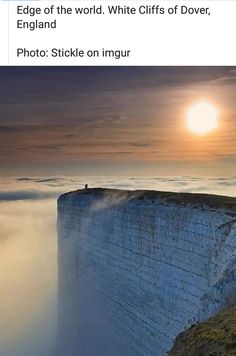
(153, 40)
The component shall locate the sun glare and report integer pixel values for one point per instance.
(202, 118)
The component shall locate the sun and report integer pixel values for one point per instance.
(202, 118)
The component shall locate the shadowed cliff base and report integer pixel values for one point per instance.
(216, 336)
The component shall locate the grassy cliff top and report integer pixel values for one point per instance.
(213, 201)
(216, 336)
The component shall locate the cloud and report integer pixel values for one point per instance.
(7, 129)
(27, 195)
(196, 189)
(52, 147)
(139, 144)
(37, 188)
(24, 179)
(48, 179)
(226, 157)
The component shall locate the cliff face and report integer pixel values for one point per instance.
(138, 268)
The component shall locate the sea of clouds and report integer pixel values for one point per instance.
(36, 188)
(28, 250)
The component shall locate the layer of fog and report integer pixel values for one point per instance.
(27, 278)
(34, 188)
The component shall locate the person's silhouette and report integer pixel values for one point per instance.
(86, 186)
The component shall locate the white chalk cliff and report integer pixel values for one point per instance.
(137, 268)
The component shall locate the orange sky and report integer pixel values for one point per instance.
(128, 120)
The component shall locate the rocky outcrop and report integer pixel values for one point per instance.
(137, 268)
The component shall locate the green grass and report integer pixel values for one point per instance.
(216, 336)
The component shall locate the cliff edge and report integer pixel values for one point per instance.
(136, 268)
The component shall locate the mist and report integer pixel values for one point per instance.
(28, 278)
